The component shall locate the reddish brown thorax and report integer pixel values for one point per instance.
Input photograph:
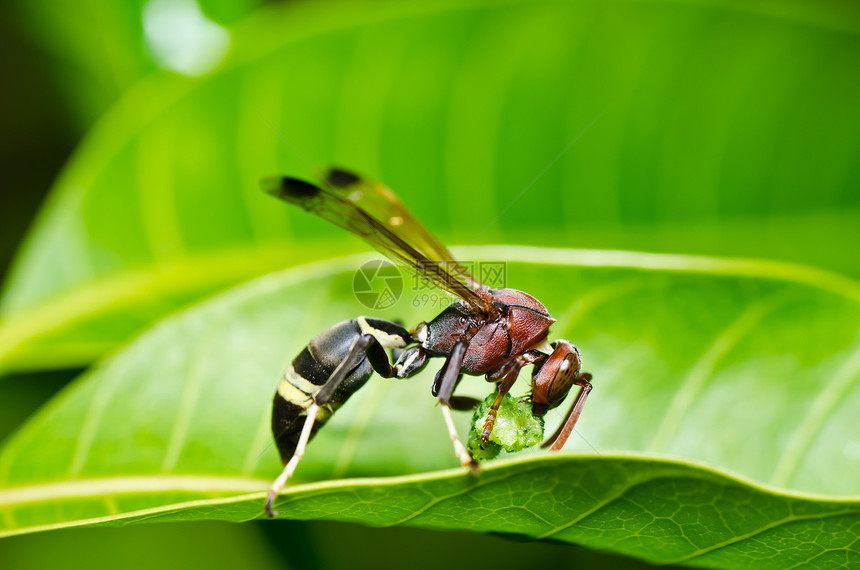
(520, 322)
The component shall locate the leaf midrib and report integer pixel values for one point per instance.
(127, 485)
(250, 489)
(101, 296)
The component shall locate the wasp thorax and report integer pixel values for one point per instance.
(518, 322)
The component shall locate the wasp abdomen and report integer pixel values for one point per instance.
(312, 368)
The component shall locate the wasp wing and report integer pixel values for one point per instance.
(378, 200)
(372, 212)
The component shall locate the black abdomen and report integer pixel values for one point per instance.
(304, 378)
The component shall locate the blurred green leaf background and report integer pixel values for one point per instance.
(704, 127)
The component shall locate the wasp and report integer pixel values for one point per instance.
(490, 332)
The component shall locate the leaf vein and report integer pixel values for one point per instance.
(103, 392)
(430, 504)
(189, 398)
(596, 508)
(691, 387)
(758, 531)
(828, 398)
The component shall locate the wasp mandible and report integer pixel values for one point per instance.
(490, 332)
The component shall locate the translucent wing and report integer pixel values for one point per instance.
(372, 212)
(378, 200)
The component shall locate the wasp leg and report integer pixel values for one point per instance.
(446, 381)
(559, 438)
(365, 346)
(410, 361)
(503, 388)
(290, 468)
(508, 372)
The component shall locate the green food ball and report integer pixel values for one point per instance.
(516, 428)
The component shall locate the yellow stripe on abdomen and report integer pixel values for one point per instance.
(294, 395)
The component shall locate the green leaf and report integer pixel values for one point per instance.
(99, 49)
(666, 126)
(721, 430)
